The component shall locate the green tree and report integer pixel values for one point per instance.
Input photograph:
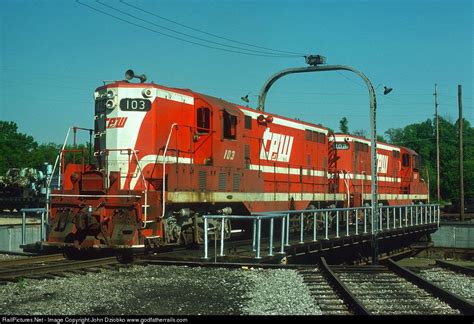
(45, 153)
(21, 150)
(16, 147)
(380, 138)
(343, 125)
(421, 138)
(360, 132)
(76, 157)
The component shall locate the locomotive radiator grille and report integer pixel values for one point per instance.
(202, 178)
(236, 182)
(222, 181)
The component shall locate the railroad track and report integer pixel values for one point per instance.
(362, 290)
(50, 266)
(323, 292)
(456, 302)
(337, 290)
(455, 267)
(30, 260)
(455, 279)
(392, 290)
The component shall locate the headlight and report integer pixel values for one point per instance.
(147, 93)
(110, 104)
(110, 94)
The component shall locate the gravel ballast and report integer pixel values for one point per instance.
(162, 290)
(458, 283)
(277, 292)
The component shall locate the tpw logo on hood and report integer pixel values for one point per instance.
(382, 163)
(276, 147)
(116, 122)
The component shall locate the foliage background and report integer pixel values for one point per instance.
(20, 150)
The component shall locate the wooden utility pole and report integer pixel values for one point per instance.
(438, 191)
(428, 181)
(461, 158)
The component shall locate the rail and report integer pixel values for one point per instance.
(383, 291)
(23, 223)
(466, 307)
(53, 267)
(351, 300)
(31, 260)
(455, 267)
(331, 221)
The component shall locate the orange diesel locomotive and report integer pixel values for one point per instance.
(164, 157)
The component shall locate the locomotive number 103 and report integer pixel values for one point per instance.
(135, 104)
(229, 154)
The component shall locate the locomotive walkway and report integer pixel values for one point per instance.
(301, 235)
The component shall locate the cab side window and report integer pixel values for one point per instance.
(203, 120)
(248, 122)
(229, 124)
(406, 160)
(417, 162)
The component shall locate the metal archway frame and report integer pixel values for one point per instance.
(373, 109)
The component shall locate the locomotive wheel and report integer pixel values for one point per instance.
(188, 237)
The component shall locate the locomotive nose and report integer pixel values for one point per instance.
(88, 220)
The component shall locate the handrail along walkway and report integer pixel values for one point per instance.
(355, 219)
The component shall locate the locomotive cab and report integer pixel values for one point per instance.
(412, 182)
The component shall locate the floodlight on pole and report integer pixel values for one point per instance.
(386, 90)
(245, 98)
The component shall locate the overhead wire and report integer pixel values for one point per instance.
(276, 94)
(352, 80)
(384, 97)
(50, 99)
(184, 34)
(27, 73)
(42, 84)
(206, 33)
(250, 53)
(403, 94)
(401, 101)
